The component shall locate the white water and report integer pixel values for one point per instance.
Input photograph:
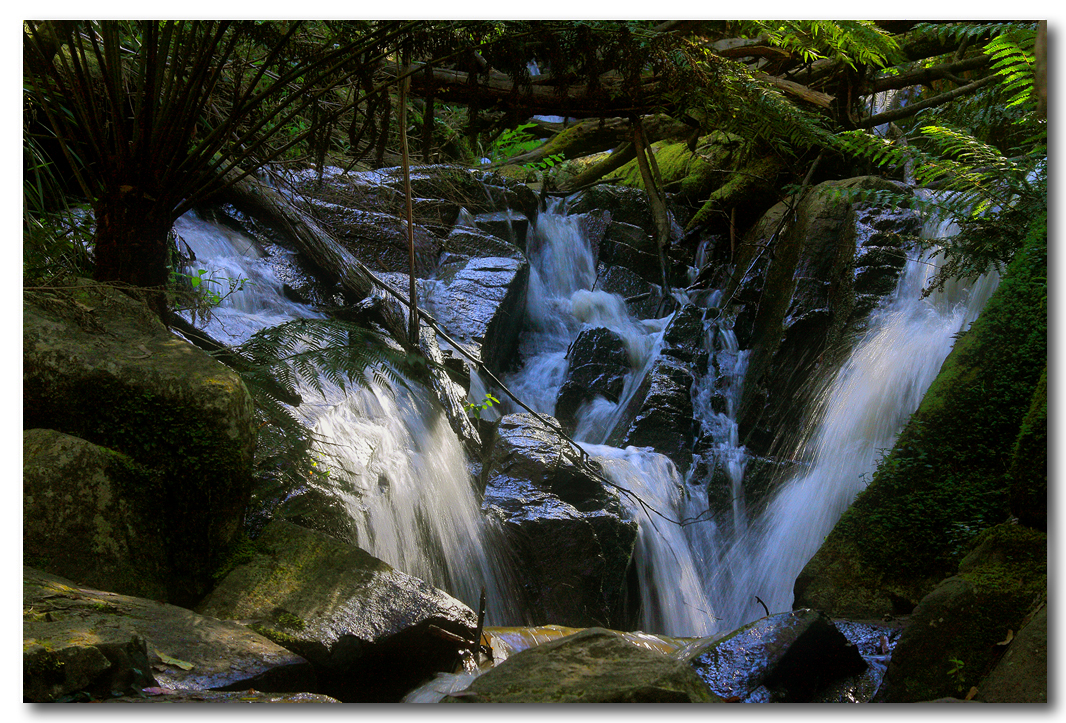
(402, 475)
(392, 458)
(857, 418)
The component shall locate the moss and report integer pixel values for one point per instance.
(690, 174)
(946, 478)
(274, 635)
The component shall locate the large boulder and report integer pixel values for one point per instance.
(1020, 676)
(91, 514)
(100, 366)
(592, 666)
(783, 658)
(663, 417)
(570, 535)
(804, 300)
(963, 625)
(372, 632)
(480, 302)
(79, 641)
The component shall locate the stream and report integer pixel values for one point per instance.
(403, 478)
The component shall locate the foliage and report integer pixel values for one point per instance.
(475, 409)
(308, 354)
(852, 42)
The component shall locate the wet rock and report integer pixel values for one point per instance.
(626, 205)
(467, 243)
(510, 226)
(684, 336)
(644, 300)
(480, 302)
(664, 417)
(366, 627)
(807, 297)
(379, 240)
(592, 666)
(571, 537)
(783, 658)
(98, 365)
(598, 367)
(80, 640)
(166, 695)
(632, 248)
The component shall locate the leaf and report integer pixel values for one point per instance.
(184, 665)
(971, 694)
(1006, 641)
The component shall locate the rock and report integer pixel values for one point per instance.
(960, 624)
(598, 367)
(807, 296)
(165, 695)
(480, 302)
(366, 627)
(79, 640)
(783, 658)
(644, 300)
(683, 338)
(1020, 676)
(663, 420)
(631, 247)
(571, 537)
(100, 366)
(89, 514)
(379, 240)
(592, 666)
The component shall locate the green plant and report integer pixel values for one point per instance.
(476, 409)
(513, 141)
(955, 673)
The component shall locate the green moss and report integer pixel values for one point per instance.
(690, 174)
(274, 635)
(290, 621)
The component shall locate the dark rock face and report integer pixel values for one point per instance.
(1020, 676)
(480, 302)
(592, 666)
(79, 640)
(783, 658)
(828, 270)
(664, 418)
(162, 695)
(598, 367)
(644, 300)
(572, 539)
(100, 366)
(683, 338)
(366, 627)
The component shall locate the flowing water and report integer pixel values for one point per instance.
(400, 470)
(396, 465)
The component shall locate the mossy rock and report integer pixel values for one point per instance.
(98, 365)
(959, 630)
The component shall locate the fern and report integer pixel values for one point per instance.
(852, 42)
(308, 354)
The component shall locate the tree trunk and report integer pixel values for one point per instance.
(131, 245)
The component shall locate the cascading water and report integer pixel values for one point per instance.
(401, 472)
(562, 302)
(396, 464)
(858, 415)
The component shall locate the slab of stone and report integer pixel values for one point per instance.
(592, 666)
(77, 638)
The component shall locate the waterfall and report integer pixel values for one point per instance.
(393, 461)
(857, 416)
(561, 303)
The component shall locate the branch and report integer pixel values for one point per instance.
(912, 109)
